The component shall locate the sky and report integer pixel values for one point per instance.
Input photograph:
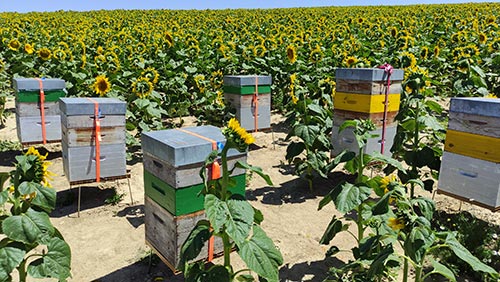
(24, 6)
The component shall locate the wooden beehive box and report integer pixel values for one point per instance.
(28, 109)
(166, 233)
(360, 94)
(79, 138)
(470, 168)
(346, 140)
(172, 162)
(253, 108)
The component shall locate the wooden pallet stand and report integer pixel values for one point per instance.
(253, 108)
(470, 167)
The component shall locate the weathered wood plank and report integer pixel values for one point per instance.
(185, 175)
(367, 87)
(340, 116)
(475, 124)
(473, 145)
(476, 180)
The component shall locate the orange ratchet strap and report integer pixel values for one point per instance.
(42, 110)
(216, 173)
(97, 129)
(256, 104)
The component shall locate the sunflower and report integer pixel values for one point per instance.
(101, 85)
(14, 45)
(198, 79)
(387, 183)
(259, 50)
(350, 61)
(436, 51)
(291, 53)
(483, 38)
(238, 135)
(40, 174)
(407, 60)
(60, 54)
(394, 31)
(142, 87)
(396, 223)
(424, 52)
(100, 50)
(45, 54)
(152, 74)
(316, 54)
(491, 95)
(169, 39)
(293, 78)
(28, 48)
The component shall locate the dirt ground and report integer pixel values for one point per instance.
(107, 242)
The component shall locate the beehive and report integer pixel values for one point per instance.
(250, 95)
(172, 162)
(166, 233)
(360, 94)
(29, 103)
(470, 168)
(79, 144)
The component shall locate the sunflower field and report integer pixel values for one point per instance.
(170, 63)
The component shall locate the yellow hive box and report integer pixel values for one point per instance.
(365, 103)
(473, 145)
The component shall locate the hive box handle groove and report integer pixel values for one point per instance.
(468, 174)
(477, 122)
(158, 218)
(158, 188)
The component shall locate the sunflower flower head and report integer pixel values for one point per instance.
(396, 224)
(101, 85)
(291, 53)
(237, 135)
(28, 48)
(44, 54)
(388, 183)
(142, 87)
(38, 171)
(14, 45)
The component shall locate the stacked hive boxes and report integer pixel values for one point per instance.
(470, 168)
(30, 105)
(250, 95)
(172, 161)
(82, 152)
(360, 94)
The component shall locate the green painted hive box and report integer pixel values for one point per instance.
(183, 200)
(28, 89)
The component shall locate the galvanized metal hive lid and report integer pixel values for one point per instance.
(85, 106)
(368, 74)
(476, 106)
(246, 80)
(179, 148)
(33, 84)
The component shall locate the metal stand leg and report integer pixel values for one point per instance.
(79, 196)
(130, 191)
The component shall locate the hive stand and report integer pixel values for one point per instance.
(103, 179)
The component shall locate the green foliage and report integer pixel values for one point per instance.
(420, 132)
(115, 199)
(26, 226)
(478, 236)
(394, 218)
(311, 122)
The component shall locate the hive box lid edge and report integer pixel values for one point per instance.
(33, 84)
(246, 80)
(476, 106)
(85, 106)
(179, 148)
(368, 74)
